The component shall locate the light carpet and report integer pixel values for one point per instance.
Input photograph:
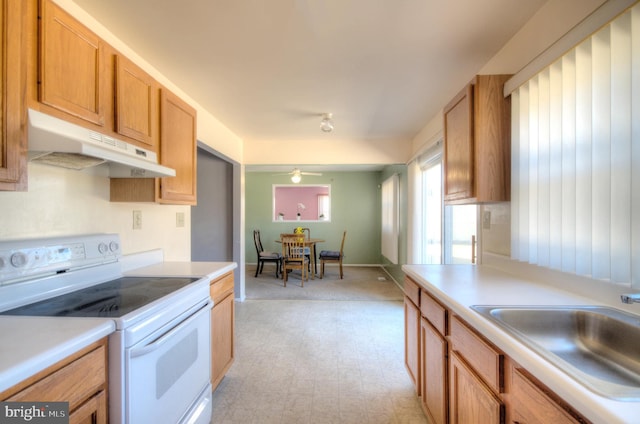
(359, 283)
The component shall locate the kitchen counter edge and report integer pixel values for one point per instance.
(39, 342)
(459, 287)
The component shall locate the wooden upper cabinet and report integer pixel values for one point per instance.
(13, 142)
(477, 147)
(136, 105)
(72, 66)
(177, 149)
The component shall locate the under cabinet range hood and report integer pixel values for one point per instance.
(53, 141)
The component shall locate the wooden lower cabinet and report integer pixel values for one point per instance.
(530, 404)
(470, 400)
(463, 378)
(222, 328)
(412, 341)
(80, 379)
(93, 411)
(434, 354)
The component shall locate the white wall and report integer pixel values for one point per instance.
(63, 202)
(550, 23)
(332, 151)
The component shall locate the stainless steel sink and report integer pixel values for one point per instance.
(597, 346)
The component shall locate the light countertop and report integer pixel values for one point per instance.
(460, 286)
(209, 270)
(29, 345)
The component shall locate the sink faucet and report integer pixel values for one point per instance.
(630, 298)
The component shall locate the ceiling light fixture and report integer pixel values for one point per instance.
(326, 125)
(296, 177)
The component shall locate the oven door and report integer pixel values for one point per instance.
(167, 372)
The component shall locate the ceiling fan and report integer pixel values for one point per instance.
(296, 174)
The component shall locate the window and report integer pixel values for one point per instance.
(432, 213)
(390, 189)
(440, 234)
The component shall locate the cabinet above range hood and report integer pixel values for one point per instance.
(53, 141)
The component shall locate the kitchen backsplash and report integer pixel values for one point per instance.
(61, 202)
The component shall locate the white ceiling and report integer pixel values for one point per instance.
(267, 69)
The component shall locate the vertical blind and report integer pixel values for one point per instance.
(390, 188)
(576, 158)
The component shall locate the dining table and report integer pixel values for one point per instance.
(311, 244)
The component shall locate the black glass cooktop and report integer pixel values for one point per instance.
(112, 299)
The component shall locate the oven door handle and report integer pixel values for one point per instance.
(157, 343)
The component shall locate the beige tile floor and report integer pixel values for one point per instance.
(317, 362)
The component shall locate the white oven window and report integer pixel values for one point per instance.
(175, 362)
(166, 373)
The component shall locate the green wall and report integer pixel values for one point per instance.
(355, 207)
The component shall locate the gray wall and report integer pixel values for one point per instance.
(212, 217)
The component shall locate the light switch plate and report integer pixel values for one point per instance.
(486, 220)
(179, 219)
(137, 220)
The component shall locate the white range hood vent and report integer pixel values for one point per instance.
(53, 141)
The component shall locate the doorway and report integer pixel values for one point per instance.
(215, 220)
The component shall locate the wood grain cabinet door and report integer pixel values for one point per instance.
(13, 143)
(477, 143)
(531, 405)
(177, 149)
(222, 339)
(412, 341)
(459, 146)
(136, 114)
(471, 401)
(435, 396)
(222, 327)
(71, 66)
(93, 411)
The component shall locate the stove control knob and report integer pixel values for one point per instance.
(19, 259)
(114, 246)
(103, 248)
(1, 262)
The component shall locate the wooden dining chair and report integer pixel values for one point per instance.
(265, 256)
(307, 250)
(332, 256)
(293, 257)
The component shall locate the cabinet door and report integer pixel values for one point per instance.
(71, 66)
(222, 339)
(411, 341)
(13, 142)
(136, 104)
(177, 149)
(435, 399)
(459, 146)
(471, 401)
(530, 405)
(93, 411)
